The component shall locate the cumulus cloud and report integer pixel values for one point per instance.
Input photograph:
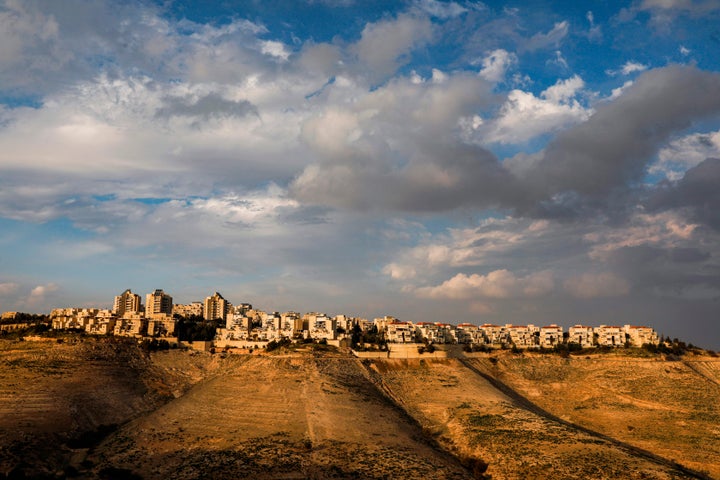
(593, 285)
(613, 147)
(496, 64)
(496, 284)
(385, 45)
(275, 49)
(39, 296)
(525, 116)
(370, 160)
(680, 154)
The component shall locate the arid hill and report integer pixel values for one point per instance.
(107, 409)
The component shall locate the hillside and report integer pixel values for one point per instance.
(103, 409)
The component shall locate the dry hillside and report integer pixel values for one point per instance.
(106, 409)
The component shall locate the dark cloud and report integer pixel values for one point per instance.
(679, 271)
(590, 167)
(212, 105)
(440, 178)
(698, 192)
(615, 145)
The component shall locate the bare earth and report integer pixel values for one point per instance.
(103, 409)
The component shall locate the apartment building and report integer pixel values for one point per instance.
(158, 304)
(127, 302)
(216, 307)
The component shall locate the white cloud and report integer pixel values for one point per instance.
(468, 247)
(496, 284)
(39, 297)
(553, 38)
(684, 153)
(439, 9)
(496, 64)
(629, 67)
(399, 272)
(667, 229)
(275, 49)
(525, 116)
(41, 290)
(616, 92)
(591, 285)
(632, 67)
(559, 61)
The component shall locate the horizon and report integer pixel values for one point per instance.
(452, 161)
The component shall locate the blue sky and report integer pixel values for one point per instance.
(534, 162)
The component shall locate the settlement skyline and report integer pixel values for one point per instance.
(482, 161)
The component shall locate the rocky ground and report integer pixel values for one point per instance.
(88, 408)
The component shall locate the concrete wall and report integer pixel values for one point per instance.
(410, 350)
(370, 354)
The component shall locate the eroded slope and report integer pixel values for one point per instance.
(671, 408)
(278, 417)
(468, 415)
(58, 398)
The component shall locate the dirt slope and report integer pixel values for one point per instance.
(278, 417)
(56, 399)
(470, 416)
(671, 408)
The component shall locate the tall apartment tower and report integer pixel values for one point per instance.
(158, 303)
(216, 307)
(127, 302)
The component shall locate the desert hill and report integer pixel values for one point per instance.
(107, 409)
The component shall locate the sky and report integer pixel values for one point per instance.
(457, 161)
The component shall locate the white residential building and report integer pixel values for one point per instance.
(322, 327)
(523, 336)
(610, 335)
(641, 335)
(550, 335)
(581, 334)
(493, 334)
(468, 333)
(400, 332)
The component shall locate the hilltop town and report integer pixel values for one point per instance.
(217, 323)
(396, 399)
